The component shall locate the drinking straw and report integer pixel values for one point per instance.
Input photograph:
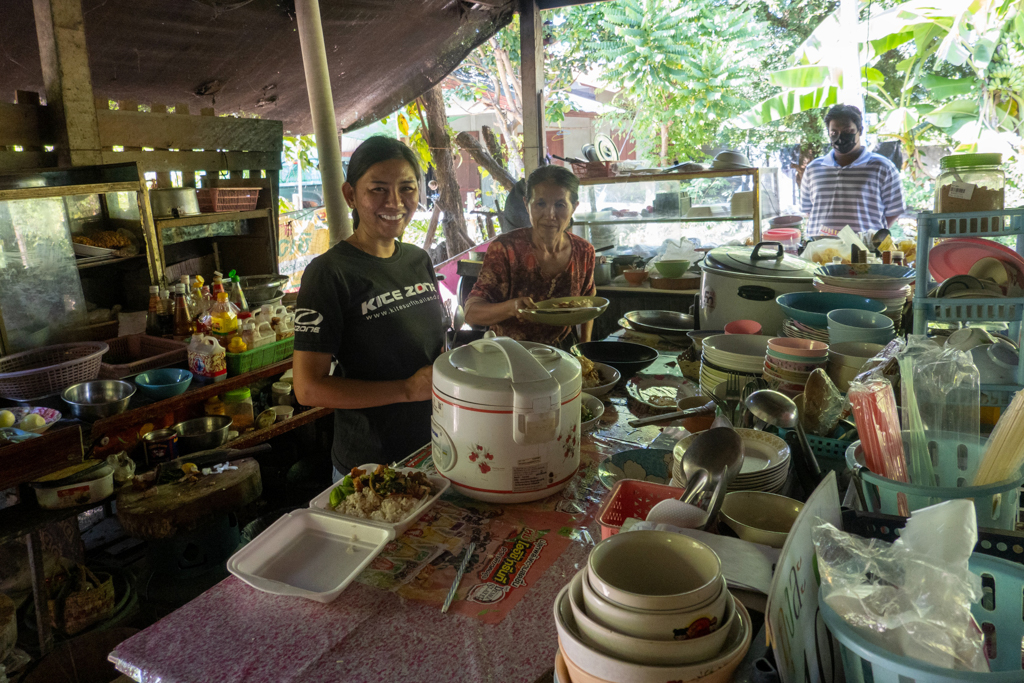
(1004, 455)
(877, 418)
(920, 463)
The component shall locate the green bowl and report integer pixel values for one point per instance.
(672, 268)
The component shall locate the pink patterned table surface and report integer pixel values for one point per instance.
(234, 633)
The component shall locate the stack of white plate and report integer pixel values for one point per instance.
(726, 355)
(890, 284)
(765, 462)
(894, 299)
(799, 330)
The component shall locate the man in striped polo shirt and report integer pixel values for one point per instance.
(849, 185)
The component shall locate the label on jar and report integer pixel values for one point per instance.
(960, 190)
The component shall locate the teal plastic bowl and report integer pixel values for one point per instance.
(163, 383)
(812, 308)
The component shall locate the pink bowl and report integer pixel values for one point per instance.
(743, 327)
(794, 366)
(794, 346)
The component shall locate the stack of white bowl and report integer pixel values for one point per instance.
(765, 466)
(789, 362)
(726, 355)
(652, 606)
(799, 330)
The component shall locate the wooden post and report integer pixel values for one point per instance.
(188, 178)
(325, 123)
(531, 47)
(60, 31)
(163, 178)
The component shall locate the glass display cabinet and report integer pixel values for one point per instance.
(710, 208)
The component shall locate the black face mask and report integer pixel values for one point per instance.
(845, 143)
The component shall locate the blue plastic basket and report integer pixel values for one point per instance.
(831, 453)
(999, 615)
(995, 505)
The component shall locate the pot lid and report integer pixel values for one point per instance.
(766, 259)
(481, 374)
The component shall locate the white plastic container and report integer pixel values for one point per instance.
(207, 359)
(309, 554)
(440, 483)
(264, 334)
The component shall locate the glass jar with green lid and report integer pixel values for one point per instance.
(238, 406)
(970, 182)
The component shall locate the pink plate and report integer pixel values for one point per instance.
(956, 256)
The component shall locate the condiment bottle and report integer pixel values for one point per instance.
(237, 345)
(152, 316)
(197, 291)
(237, 295)
(182, 315)
(248, 333)
(223, 320)
(238, 406)
(264, 334)
(166, 314)
(214, 406)
(218, 284)
(192, 303)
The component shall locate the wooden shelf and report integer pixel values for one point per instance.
(27, 516)
(51, 451)
(260, 435)
(657, 177)
(195, 394)
(677, 219)
(207, 218)
(109, 262)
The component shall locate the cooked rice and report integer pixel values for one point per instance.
(369, 505)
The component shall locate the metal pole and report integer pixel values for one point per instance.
(325, 125)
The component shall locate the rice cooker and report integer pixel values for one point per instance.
(741, 283)
(505, 426)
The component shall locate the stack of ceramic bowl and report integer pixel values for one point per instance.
(890, 284)
(651, 605)
(789, 362)
(727, 355)
(851, 325)
(845, 361)
(765, 462)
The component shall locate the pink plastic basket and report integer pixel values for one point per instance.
(49, 370)
(632, 498)
(214, 199)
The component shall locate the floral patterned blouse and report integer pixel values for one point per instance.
(511, 270)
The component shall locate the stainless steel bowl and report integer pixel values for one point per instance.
(660, 322)
(261, 287)
(202, 433)
(100, 398)
(164, 202)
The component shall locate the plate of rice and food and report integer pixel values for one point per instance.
(598, 378)
(383, 495)
(566, 310)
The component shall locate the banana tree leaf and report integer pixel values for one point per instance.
(941, 87)
(872, 76)
(786, 104)
(1018, 25)
(899, 120)
(802, 77)
(942, 117)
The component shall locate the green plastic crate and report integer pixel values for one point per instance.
(247, 361)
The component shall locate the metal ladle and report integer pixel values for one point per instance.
(709, 457)
(780, 410)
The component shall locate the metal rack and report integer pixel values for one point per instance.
(982, 224)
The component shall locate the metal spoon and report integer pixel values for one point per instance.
(708, 457)
(689, 412)
(779, 410)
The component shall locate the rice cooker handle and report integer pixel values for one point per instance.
(754, 255)
(536, 395)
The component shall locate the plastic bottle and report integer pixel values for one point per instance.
(237, 295)
(166, 315)
(197, 290)
(264, 334)
(207, 359)
(214, 406)
(281, 394)
(182, 314)
(152, 316)
(223, 320)
(248, 333)
(184, 279)
(285, 326)
(218, 284)
(237, 345)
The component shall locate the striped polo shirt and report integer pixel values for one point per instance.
(860, 195)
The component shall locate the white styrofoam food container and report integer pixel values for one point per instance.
(87, 250)
(322, 501)
(309, 554)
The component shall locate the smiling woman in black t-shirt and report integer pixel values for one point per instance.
(371, 303)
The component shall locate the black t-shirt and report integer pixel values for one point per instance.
(381, 319)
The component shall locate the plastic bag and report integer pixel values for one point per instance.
(823, 251)
(912, 597)
(673, 250)
(941, 395)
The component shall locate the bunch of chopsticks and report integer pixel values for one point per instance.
(1004, 455)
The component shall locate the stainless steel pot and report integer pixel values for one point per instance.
(202, 433)
(164, 202)
(741, 283)
(602, 273)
